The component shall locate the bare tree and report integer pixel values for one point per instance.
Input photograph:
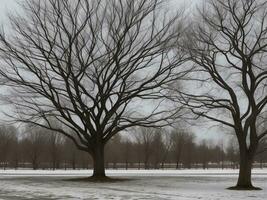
(113, 149)
(262, 152)
(71, 153)
(127, 152)
(34, 145)
(178, 138)
(15, 152)
(221, 153)
(232, 153)
(203, 154)
(161, 144)
(166, 151)
(228, 46)
(7, 137)
(144, 138)
(189, 150)
(54, 143)
(158, 148)
(94, 66)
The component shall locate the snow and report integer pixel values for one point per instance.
(138, 184)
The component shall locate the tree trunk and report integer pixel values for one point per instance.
(99, 164)
(73, 162)
(162, 165)
(245, 167)
(34, 164)
(54, 164)
(126, 165)
(244, 178)
(177, 165)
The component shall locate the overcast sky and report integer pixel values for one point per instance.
(7, 5)
(10, 5)
(202, 132)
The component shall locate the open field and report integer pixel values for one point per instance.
(152, 184)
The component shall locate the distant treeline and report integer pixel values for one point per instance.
(38, 148)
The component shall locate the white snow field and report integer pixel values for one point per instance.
(138, 184)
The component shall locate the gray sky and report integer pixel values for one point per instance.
(10, 5)
(5, 6)
(205, 131)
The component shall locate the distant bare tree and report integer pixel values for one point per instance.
(203, 154)
(189, 150)
(71, 153)
(262, 152)
(158, 148)
(127, 151)
(167, 148)
(84, 160)
(232, 153)
(54, 143)
(161, 145)
(144, 138)
(228, 47)
(113, 149)
(92, 66)
(15, 152)
(7, 137)
(34, 143)
(178, 138)
(221, 153)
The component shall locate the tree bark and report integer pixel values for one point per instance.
(99, 164)
(244, 178)
(245, 166)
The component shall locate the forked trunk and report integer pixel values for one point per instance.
(99, 164)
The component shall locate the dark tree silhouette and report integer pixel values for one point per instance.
(95, 67)
(228, 46)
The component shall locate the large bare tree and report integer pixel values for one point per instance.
(228, 47)
(95, 67)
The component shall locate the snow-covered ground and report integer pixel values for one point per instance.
(138, 184)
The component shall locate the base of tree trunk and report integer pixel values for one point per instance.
(99, 178)
(244, 188)
(102, 179)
